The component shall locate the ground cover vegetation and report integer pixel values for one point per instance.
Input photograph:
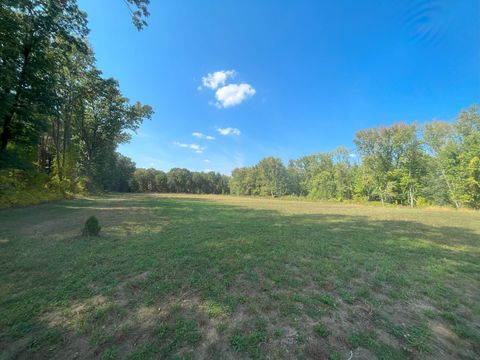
(211, 276)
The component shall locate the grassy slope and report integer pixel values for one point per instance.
(226, 277)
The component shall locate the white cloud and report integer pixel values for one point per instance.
(226, 95)
(206, 161)
(217, 79)
(195, 147)
(229, 131)
(202, 136)
(233, 94)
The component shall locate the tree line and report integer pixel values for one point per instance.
(178, 180)
(59, 115)
(437, 163)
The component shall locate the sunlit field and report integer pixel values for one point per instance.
(218, 277)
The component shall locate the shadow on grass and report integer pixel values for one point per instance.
(224, 279)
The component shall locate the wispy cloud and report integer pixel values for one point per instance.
(217, 79)
(229, 131)
(195, 147)
(206, 161)
(233, 94)
(202, 136)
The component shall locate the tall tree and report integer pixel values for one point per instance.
(383, 150)
(161, 182)
(439, 137)
(101, 125)
(468, 153)
(412, 164)
(272, 177)
(32, 31)
(244, 181)
(344, 171)
(179, 180)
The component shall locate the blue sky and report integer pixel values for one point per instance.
(283, 78)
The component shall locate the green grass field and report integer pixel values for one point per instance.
(177, 276)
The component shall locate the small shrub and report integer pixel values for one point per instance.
(92, 227)
(422, 202)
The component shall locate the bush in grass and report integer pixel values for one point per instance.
(92, 227)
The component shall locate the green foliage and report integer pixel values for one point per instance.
(437, 164)
(148, 180)
(473, 183)
(415, 337)
(110, 353)
(328, 300)
(184, 181)
(244, 181)
(36, 35)
(178, 332)
(455, 148)
(21, 188)
(139, 12)
(58, 115)
(393, 163)
(272, 177)
(250, 342)
(321, 330)
(105, 117)
(179, 180)
(92, 227)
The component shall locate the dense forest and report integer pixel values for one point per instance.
(61, 120)
(61, 123)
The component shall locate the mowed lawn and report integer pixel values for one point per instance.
(218, 277)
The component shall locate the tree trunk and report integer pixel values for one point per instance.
(7, 119)
(410, 195)
(381, 195)
(457, 204)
